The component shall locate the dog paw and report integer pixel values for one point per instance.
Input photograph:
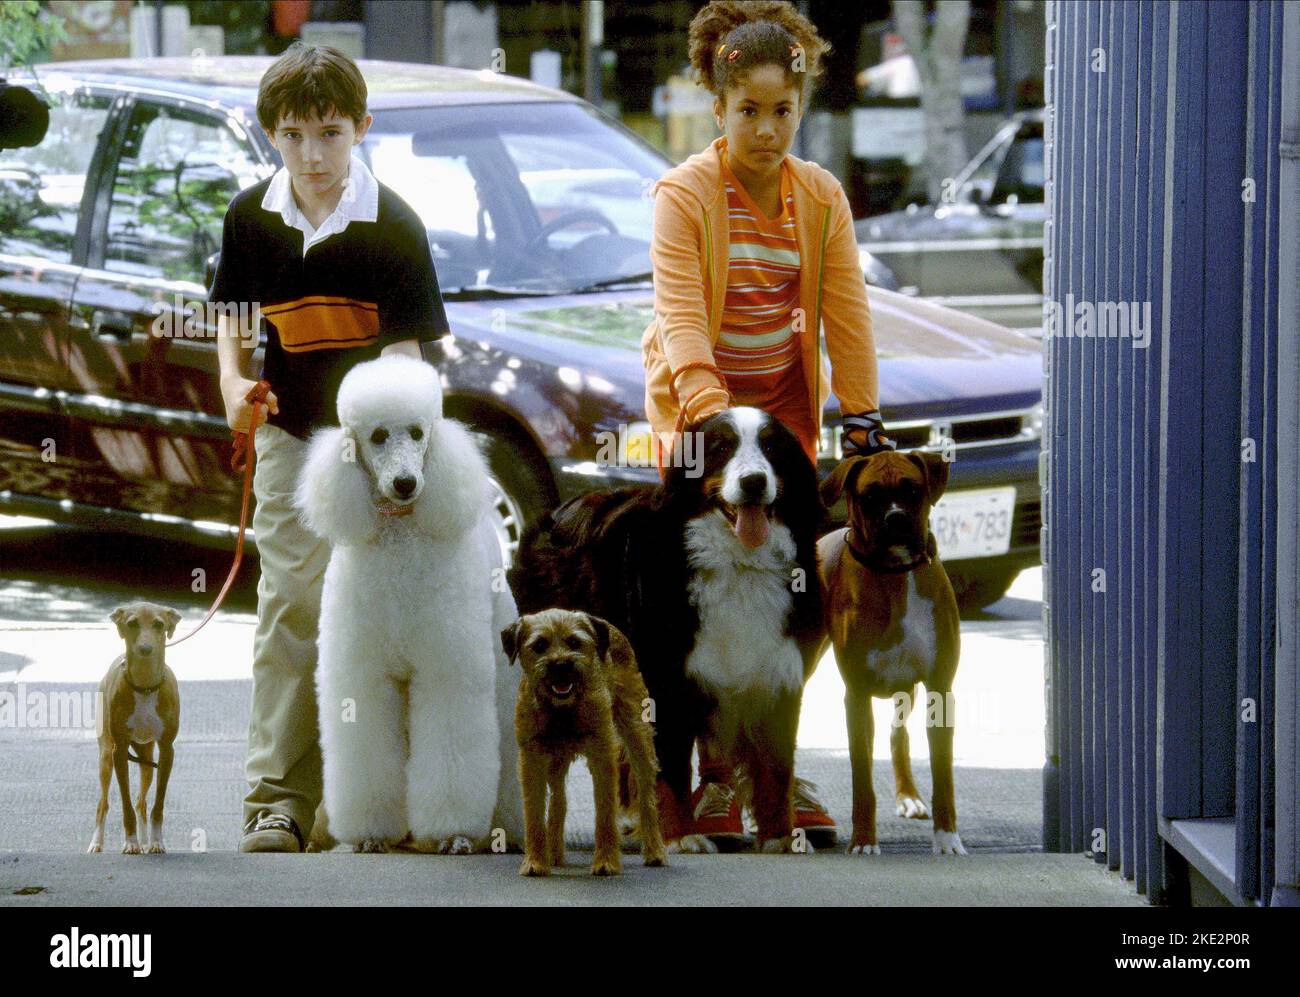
(655, 860)
(948, 843)
(457, 844)
(693, 844)
(607, 865)
(534, 867)
(786, 846)
(371, 846)
(95, 848)
(912, 808)
(131, 848)
(864, 849)
(155, 848)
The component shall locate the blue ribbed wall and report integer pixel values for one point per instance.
(1157, 113)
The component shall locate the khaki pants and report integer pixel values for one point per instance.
(283, 765)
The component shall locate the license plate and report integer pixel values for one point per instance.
(974, 523)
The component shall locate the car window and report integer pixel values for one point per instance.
(461, 231)
(563, 175)
(175, 176)
(41, 186)
(545, 196)
(1021, 173)
(1010, 166)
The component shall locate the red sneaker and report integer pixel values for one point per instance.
(672, 822)
(717, 814)
(811, 816)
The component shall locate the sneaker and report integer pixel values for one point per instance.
(271, 832)
(811, 815)
(717, 814)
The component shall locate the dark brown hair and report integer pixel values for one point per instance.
(730, 38)
(311, 81)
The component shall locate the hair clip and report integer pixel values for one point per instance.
(733, 55)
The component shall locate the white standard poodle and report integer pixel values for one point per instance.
(416, 700)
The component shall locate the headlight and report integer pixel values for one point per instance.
(636, 447)
(1032, 426)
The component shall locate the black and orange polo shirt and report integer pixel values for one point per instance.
(325, 311)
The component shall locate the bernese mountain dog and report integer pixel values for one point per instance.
(712, 575)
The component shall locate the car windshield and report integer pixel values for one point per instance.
(544, 198)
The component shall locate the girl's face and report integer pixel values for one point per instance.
(760, 118)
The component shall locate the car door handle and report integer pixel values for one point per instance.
(111, 325)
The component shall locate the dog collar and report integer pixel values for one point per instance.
(392, 509)
(143, 690)
(899, 569)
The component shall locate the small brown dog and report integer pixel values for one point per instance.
(140, 705)
(581, 694)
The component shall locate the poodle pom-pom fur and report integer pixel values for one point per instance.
(389, 389)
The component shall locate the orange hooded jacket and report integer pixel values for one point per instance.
(690, 251)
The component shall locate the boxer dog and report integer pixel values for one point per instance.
(891, 617)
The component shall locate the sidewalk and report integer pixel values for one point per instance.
(54, 647)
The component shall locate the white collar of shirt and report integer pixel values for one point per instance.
(359, 202)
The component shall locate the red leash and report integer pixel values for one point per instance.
(241, 459)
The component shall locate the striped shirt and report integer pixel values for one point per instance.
(758, 350)
(331, 298)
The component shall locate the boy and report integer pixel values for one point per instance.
(341, 269)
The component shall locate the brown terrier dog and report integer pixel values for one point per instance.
(581, 694)
(140, 705)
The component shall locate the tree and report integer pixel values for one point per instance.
(26, 31)
(937, 52)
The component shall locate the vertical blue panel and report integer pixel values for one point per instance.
(1051, 840)
(1068, 520)
(1180, 438)
(1113, 601)
(1223, 149)
(1147, 389)
(1133, 411)
(1267, 302)
(1083, 419)
(1250, 493)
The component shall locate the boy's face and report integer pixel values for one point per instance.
(760, 119)
(317, 151)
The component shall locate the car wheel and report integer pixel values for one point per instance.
(977, 588)
(518, 494)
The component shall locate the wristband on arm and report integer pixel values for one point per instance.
(870, 430)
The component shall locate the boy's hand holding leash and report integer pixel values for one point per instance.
(238, 394)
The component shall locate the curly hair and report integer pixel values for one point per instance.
(729, 38)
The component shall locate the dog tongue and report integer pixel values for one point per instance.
(751, 525)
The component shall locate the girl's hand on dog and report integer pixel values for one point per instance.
(234, 395)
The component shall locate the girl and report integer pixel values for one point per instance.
(754, 253)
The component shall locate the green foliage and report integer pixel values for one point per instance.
(27, 32)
